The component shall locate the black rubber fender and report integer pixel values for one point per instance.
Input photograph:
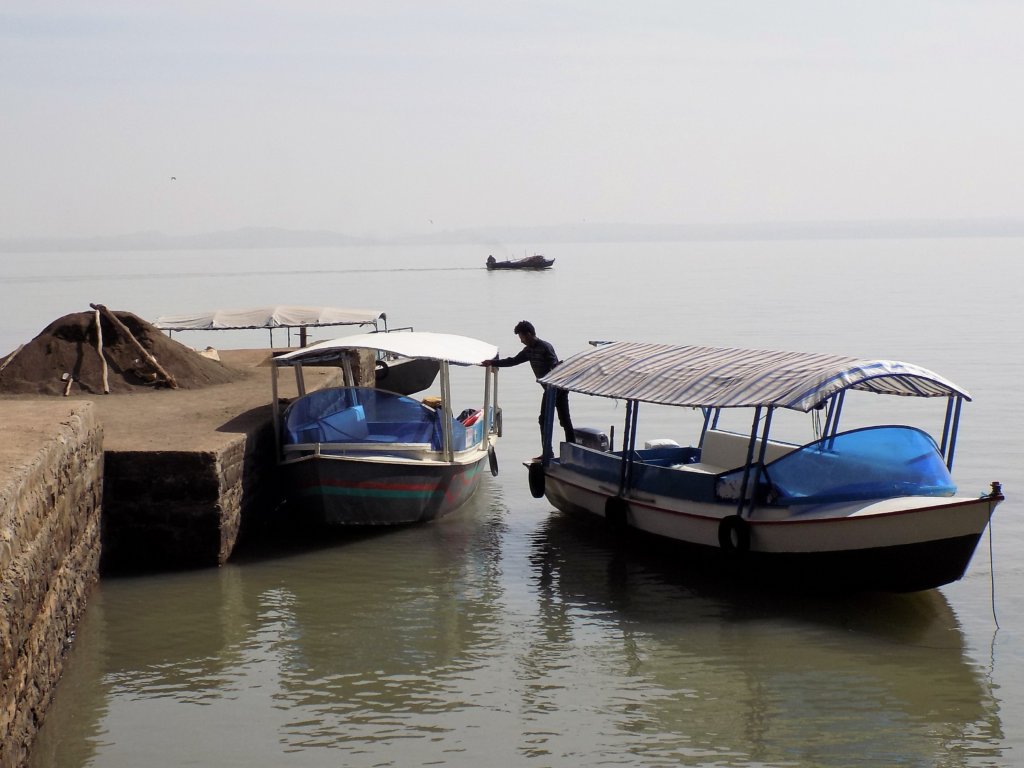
(616, 513)
(492, 459)
(536, 475)
(734, 534)
(381, 371)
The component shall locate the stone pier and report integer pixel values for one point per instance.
(185, 468)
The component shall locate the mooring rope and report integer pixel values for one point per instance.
(992, 574)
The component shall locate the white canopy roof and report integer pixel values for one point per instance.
(461, 350)
(268, 317)
(731, 378)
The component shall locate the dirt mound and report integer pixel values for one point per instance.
(68, 346)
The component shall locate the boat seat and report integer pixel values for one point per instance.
(728, 450)
(700, 468)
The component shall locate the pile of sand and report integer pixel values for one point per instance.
(68, 346)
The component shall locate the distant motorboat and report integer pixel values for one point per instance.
(537, 261)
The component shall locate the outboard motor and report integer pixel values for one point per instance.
(592, 438)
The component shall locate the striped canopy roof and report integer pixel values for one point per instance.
(719, 377)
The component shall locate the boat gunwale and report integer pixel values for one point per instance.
(384, 453)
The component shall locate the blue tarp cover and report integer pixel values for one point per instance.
(876, 462)
(363, 414)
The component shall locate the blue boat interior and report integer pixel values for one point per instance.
(367, 415)
(873, 462)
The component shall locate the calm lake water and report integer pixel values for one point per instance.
(508, 635)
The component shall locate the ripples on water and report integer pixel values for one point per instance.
(454, 654)
(508, 634)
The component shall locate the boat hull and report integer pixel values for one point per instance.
(534, 263)
(896, 545)
(352, 491)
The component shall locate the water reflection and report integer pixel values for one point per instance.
(379, 639)
(504, 639)
(339, 643)
(717, 673)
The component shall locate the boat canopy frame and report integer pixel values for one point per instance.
(717, 378)
(273, 318)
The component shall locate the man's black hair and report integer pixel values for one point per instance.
(524, 326)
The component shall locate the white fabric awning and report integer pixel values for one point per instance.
(733, 378)
(268, 317)
(460, 350)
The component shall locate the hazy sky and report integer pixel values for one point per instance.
(386, 118)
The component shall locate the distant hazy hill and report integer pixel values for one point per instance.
(271, 237)
(805, 230)
(248, 237)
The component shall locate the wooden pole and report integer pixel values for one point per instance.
(99, 349)
(11, 356)
(168, 378)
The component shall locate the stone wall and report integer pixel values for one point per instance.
(51, 467)
(166, 510)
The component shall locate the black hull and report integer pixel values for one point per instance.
(526, 264)
(902, 568)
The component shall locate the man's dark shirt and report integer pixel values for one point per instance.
(541, 355)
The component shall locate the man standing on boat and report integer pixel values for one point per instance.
(542, 358)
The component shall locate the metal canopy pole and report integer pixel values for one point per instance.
(761, 454)
(632, 445)
(838, 411)
(750, 458)
(829, 412)
(953, 431)
(764, 435)
(626, 431)
(275, 409)
(628, 446)
(446, 412)
(704, 429)
(487, 404)
(946, 426)
(497, 410)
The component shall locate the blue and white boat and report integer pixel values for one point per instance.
(871, 508)
(363, 455)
